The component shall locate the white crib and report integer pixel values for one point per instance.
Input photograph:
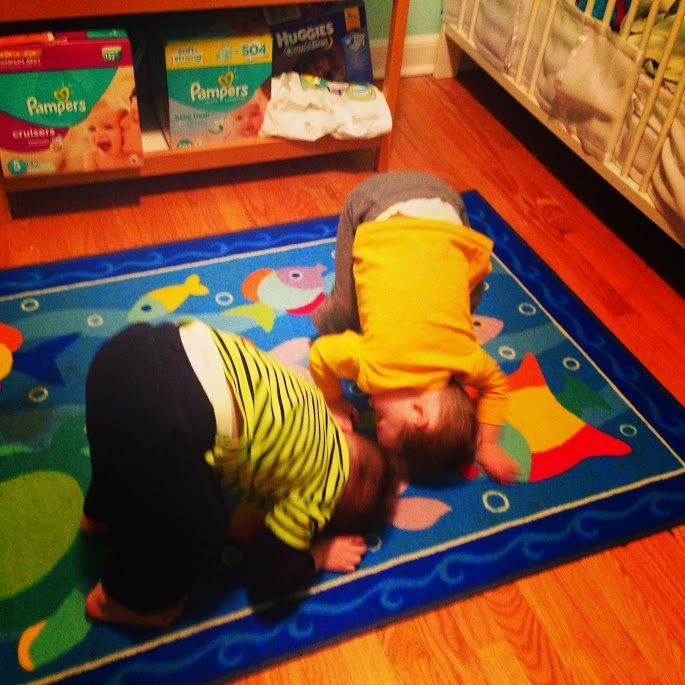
(607, 79)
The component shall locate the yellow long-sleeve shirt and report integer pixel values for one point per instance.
(413, 278)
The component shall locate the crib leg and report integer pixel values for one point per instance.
(447, 57)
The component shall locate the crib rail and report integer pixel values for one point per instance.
(625, 146)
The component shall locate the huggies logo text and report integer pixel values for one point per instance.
(315, 36)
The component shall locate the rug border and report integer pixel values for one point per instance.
(26, 280)
(437, 587)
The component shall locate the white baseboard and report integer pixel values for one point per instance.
(418, 58)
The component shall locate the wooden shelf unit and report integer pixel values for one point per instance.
(169, 161)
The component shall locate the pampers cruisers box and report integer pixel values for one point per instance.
(68, 103)
(218, 74)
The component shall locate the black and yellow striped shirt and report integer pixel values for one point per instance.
(291, 459)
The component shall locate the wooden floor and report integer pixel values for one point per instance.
(614, 617)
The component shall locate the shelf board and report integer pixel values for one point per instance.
(164, 161)
(48, 9)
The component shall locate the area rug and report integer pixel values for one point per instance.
(599, 442)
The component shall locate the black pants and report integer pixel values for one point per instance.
(149, 424)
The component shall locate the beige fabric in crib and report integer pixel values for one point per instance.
(452, 8)
(587, 73)
(495, 27)
(667, 187)
(587, 78)
(500, 30)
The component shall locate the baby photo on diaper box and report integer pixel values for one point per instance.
(68, 104)
(217, 72)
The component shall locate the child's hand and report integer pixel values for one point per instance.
(342, 553)
(497, 463)
(345, 413)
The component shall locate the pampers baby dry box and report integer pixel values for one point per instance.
(218, 75)
(66, 103)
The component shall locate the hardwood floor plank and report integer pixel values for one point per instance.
(527, 637)
(431, 648)
(551, 608)
(499, 663)
(606, 644)
(639, 615)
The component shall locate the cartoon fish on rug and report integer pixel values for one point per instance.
(542, 448)
(10, 341)
(417, 513)
(165, 300)
(486, 328)
(296, 290)
(40, 361)
(542, 435)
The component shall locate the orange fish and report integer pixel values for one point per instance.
(10, 341)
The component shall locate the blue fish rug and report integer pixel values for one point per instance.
(599, 442)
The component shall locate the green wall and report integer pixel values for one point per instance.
(424, 17)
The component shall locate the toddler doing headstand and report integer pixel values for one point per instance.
(178, 416)
(408, 273)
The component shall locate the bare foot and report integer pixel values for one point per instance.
(104, 608)
(92, 527)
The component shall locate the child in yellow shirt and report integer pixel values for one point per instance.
(408, 273)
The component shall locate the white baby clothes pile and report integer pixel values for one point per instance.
(308, 107)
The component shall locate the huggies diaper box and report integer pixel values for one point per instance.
(218, 77)
(68, 103)
(328, 40)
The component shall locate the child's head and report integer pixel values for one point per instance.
(433, 432)
(103, 127)
(371, 490)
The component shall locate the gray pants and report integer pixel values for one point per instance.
(365, 203)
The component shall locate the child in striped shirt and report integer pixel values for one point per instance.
(185, 422)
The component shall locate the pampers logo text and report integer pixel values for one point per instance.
(61, 104)
(225, 90)
(320, 33)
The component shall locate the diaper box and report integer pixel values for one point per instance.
(329, 40)
(68, 103)
(216, 76)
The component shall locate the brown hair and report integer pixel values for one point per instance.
(452, 444)
(361, 510)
